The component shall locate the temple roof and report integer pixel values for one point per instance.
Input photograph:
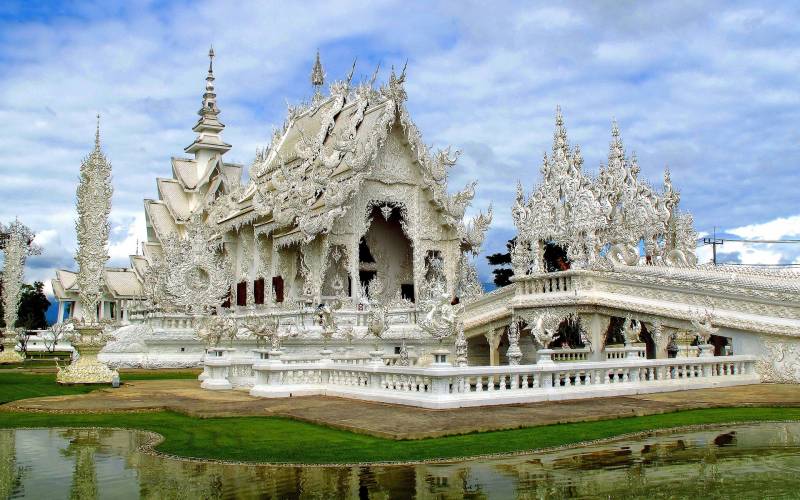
(314, 167)
(120, 282)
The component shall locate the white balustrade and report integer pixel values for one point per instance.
(451, 387)
(577, 354)
(624, 352)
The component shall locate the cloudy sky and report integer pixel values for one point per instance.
(711, 89)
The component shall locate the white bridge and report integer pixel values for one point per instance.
(754, 311)
(441, 385)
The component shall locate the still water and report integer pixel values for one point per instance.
(742, 461)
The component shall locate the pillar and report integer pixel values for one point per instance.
(493, 336)
(596, 326)
(60, 318)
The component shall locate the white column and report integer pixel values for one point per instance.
(60, 317)
(493, 336)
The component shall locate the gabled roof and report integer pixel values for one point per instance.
(123, 283)
(314, 168)
(184, 170)
(120, 282)
(68, 279)
(160, 218)
(139, 264)
(174, 196)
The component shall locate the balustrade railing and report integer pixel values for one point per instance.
(624, 352)
(444, 386)
(546, 284)
(577, 354)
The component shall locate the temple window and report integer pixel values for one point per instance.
(277, 288)
(241, 293)
(258, 291)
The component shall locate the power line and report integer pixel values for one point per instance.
(714, 241)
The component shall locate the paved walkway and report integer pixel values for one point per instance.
(399, 422)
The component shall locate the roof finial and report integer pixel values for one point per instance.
(209, 97)
(560, 142)
(97, 133)
(317, 75)
(616, 152)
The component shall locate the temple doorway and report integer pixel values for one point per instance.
(385, 252)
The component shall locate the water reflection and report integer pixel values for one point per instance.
(744, 461)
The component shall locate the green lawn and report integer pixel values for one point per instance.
(23, 384)
(271, 439)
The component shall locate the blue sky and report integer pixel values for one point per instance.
(711, 89)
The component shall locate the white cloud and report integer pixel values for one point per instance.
(710, 89)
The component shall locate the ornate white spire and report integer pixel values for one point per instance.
(209, 97)
(616, 151)
(317, 76)
(92, 227)
(16, 241)
(560, 142)
(208, 127)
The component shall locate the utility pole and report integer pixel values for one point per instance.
(713, 242)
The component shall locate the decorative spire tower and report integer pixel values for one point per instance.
(317, 78)
(94, 207)
(208, 127)
(92, 227)
(16, 242)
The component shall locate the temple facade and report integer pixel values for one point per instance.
(346, 243)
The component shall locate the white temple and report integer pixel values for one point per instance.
(346, 253)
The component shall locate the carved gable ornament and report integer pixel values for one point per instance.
(197, 276)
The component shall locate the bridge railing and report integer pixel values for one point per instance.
(449, 387)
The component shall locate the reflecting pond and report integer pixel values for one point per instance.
(743, 461)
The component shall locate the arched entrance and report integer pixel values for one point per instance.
(385, 251)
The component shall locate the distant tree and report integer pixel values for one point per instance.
(33, 305)
(501, 262)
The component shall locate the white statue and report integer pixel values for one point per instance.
(631, 329)
(440, 320)
(703, 327)
(514, 353)
(545, 329)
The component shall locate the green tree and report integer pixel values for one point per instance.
(33, 305)
(501, 262)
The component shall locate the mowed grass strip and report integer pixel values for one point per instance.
(22, 384)
(280, 440)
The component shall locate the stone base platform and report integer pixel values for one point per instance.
(394, 421)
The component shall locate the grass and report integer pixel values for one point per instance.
(23, 384)
(272, 439)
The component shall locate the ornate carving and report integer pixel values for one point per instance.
(780, 363)
(92, 227)
(441, 317)
(631, 330)
(616, 211)
(16, 241)
(545, 328)
(213, 329)
(514, 353)
(86, 369)
(461, 347)
(702, 325)
(197, 277)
